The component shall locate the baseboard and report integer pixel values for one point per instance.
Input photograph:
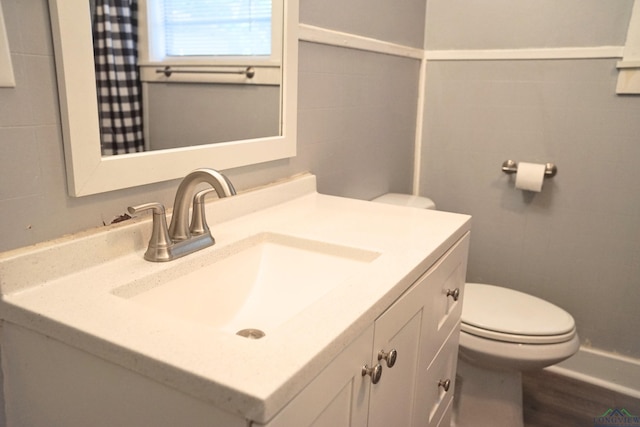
(581, 389)
(608, 370)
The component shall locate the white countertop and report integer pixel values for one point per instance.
(64, 289)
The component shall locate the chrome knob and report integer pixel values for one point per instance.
(390, 357)
(445, 384)
(455, 294)
(375, 372)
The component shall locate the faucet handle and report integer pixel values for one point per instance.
(160, 242)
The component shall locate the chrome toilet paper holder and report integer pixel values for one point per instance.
(511, 167)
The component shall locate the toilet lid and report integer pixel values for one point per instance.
(507, 315)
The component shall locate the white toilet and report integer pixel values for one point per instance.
(503, 332)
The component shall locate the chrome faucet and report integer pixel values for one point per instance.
(182, 238)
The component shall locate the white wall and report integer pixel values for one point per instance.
(577, 243)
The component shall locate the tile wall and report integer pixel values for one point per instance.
(577, 243)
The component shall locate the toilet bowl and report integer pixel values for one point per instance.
(503, 332)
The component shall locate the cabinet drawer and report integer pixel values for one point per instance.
(445, 292)
(432, 390)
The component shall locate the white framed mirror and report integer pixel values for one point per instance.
(89, 172)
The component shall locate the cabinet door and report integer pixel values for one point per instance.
(416, 326)
(338, 396)
(391, 401)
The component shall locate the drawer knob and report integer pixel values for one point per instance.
(455, 294)
(375, 372)
(445, 384)
(390, 357)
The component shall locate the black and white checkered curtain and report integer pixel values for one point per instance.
(115, 42)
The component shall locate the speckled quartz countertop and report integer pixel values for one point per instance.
(64, 289)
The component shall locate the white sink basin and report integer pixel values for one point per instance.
(257, 283)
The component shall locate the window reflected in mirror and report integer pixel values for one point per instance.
(175, 73)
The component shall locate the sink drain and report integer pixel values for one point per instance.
(252, 334)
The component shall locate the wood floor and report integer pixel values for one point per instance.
(552, 400)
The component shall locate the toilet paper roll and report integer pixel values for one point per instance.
(530, 176)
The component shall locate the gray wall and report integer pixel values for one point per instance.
(188, 114)
(507, 24)
(400, 22)
(355, 132)
(577, 243)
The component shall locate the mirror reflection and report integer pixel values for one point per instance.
(173, 73)
(90, 172)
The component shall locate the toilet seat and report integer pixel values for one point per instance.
(515, 338)
(506, 315)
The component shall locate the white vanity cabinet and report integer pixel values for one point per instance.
(77, 350)
(422, 327)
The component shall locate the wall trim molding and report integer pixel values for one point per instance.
(417, 150)
(313, 34)
(604, 369)
(7, 78)
(629, 67)
(596, 52)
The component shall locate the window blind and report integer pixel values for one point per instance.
(217, 27)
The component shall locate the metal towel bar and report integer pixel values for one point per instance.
(249, 72)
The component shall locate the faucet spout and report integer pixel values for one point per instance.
(179, 241)
(179, 228)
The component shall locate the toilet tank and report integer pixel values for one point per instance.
(406, 200)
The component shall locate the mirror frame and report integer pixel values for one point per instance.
(88, 172)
